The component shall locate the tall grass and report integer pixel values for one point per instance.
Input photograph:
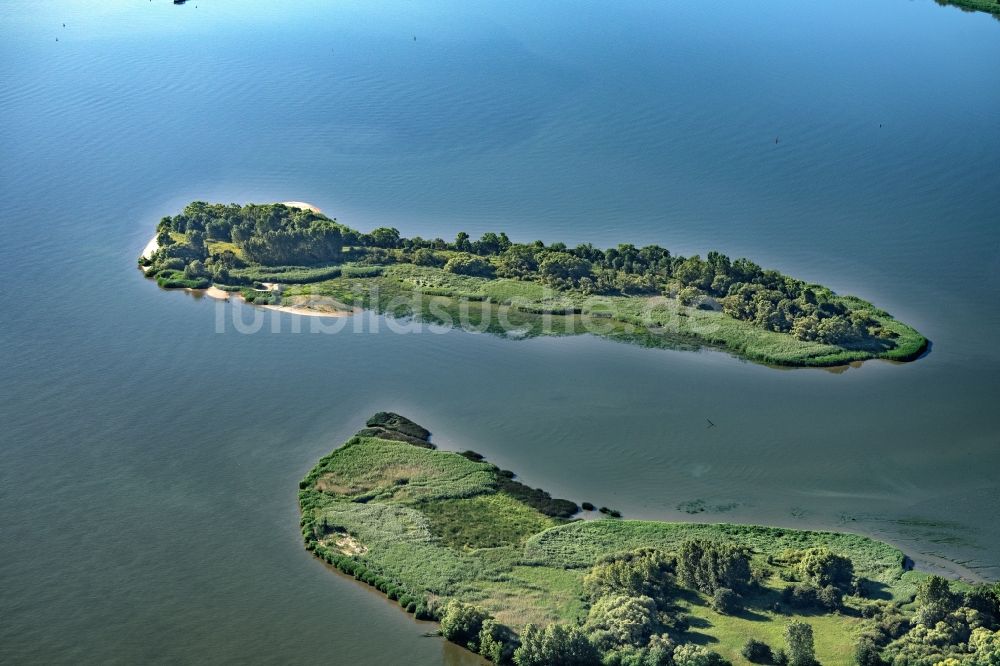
(438, 525)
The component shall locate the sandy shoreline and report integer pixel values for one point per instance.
(151, 247)
(303, 205)
(305, 312)
(215, 292)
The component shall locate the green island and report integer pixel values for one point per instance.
(988, 6)
(294, 257)
(515, 575)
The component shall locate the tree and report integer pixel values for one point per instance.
(195, 269)
(387, 237)
(985, 599)
(196, 239)
(218, 230)
(830, 598)
(163, 238)
(462, 243)
(934, 600)
(517, 261)
(462, 623)
(693, 272)
(556, 645)
(563, 266)
(799, 640)
(490, 243)
(706, 566)
(641, 573)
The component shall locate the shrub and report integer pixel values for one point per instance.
(537, 498)
(800, 596)
(556, 645)
(695, 655)
(894, 626)
(177, 280)
(393, 421)
(469, 264)
(617, 620)
(830, 598)
(461, 623)
(867, 653)
(473, 456)
(497, 642)
(824, 567)
(757, 652)
(706, 566)
(587, 506)
(688, 295)
(726, 601)
(425, 257)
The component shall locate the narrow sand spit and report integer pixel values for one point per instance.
(215, 292)
(305, 312)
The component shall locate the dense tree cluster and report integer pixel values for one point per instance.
(947, 628)
(647, 573)
(742, 288)
(271, 234)
(555, 645)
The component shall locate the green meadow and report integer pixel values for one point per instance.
(454, 538)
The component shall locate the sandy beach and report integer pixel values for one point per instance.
(215, 292)
(306, 312)
(151, 247)
(303, 205)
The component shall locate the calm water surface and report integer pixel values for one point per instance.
(149, 465)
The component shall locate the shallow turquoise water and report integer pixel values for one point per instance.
(148, 464)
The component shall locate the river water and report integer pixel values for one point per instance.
(150, 450)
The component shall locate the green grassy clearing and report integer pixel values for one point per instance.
(527, 309)
(429, 526)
